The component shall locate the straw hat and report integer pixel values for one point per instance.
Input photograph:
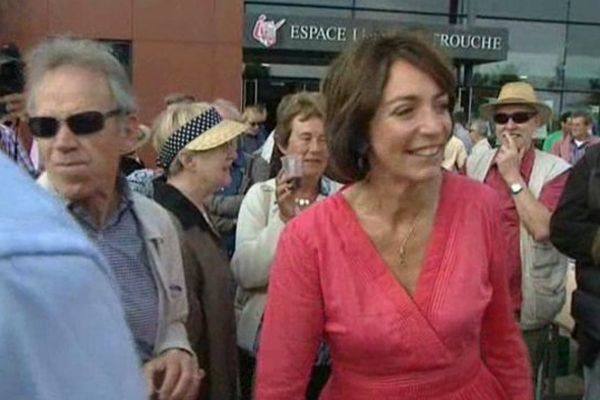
(205, 131)
(516, 93)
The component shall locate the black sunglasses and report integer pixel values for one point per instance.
(518, 118)
(83, 123)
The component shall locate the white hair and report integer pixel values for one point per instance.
(84, 53)
(480, 126)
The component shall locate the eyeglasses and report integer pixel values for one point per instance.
(83, 123)
(518, 118)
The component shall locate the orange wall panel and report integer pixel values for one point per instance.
(177, 20)
(229, 21)
(22, 18)
(227, 73)
(161, 68)
(103, 19)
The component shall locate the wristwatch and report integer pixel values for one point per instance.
(516, 188)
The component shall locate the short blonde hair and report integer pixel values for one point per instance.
(174, 98)
(169, 121)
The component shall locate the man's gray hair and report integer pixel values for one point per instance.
(84, 53)
(480, 126)
(227, 109)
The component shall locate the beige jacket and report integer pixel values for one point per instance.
(162, 244)
(211, 324)
(543, 267)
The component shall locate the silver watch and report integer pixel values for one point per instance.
(516, 188)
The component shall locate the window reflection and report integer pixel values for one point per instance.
(536, 54)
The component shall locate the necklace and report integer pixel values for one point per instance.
(403, 261)
(301, 204)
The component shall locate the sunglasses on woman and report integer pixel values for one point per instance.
(83, 123)
(518, 118)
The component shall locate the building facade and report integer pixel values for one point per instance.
(550, 43)
(191, 46)
(222, 48)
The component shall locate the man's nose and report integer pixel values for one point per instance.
(65, 138)
(510, 124)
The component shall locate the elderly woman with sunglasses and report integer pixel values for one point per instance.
(403, 272)
(196, 148)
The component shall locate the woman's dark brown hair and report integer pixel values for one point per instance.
(354, 88)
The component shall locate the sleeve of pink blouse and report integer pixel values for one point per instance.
(502, 346)
(293, 322)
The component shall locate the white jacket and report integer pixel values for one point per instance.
(258, 229)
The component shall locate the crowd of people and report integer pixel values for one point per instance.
(374, 245)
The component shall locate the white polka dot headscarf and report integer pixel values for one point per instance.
(188, 132)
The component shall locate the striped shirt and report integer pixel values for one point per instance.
(10, 145)
(120, 240)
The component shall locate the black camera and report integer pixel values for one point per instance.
(12, 78)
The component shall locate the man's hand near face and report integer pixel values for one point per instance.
(15, 108)
(509, 159)
(174, 375)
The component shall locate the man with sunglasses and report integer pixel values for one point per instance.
(81, 108)
(529, 183)
(254, 117)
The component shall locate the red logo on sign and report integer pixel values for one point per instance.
(265, 32)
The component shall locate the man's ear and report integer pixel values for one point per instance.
(130, 134)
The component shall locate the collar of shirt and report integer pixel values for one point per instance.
(173, 200)
(125, 204)
(580, 143)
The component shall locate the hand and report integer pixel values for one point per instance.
(15, 107)
(174, 375)
(509, 159)
(284, 192)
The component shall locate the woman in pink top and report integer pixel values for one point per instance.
(403, 273)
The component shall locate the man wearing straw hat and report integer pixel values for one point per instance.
(81, 108)
(529, 183)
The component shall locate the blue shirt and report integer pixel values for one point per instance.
(63, 333)
(249, 144)
(120, 241)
